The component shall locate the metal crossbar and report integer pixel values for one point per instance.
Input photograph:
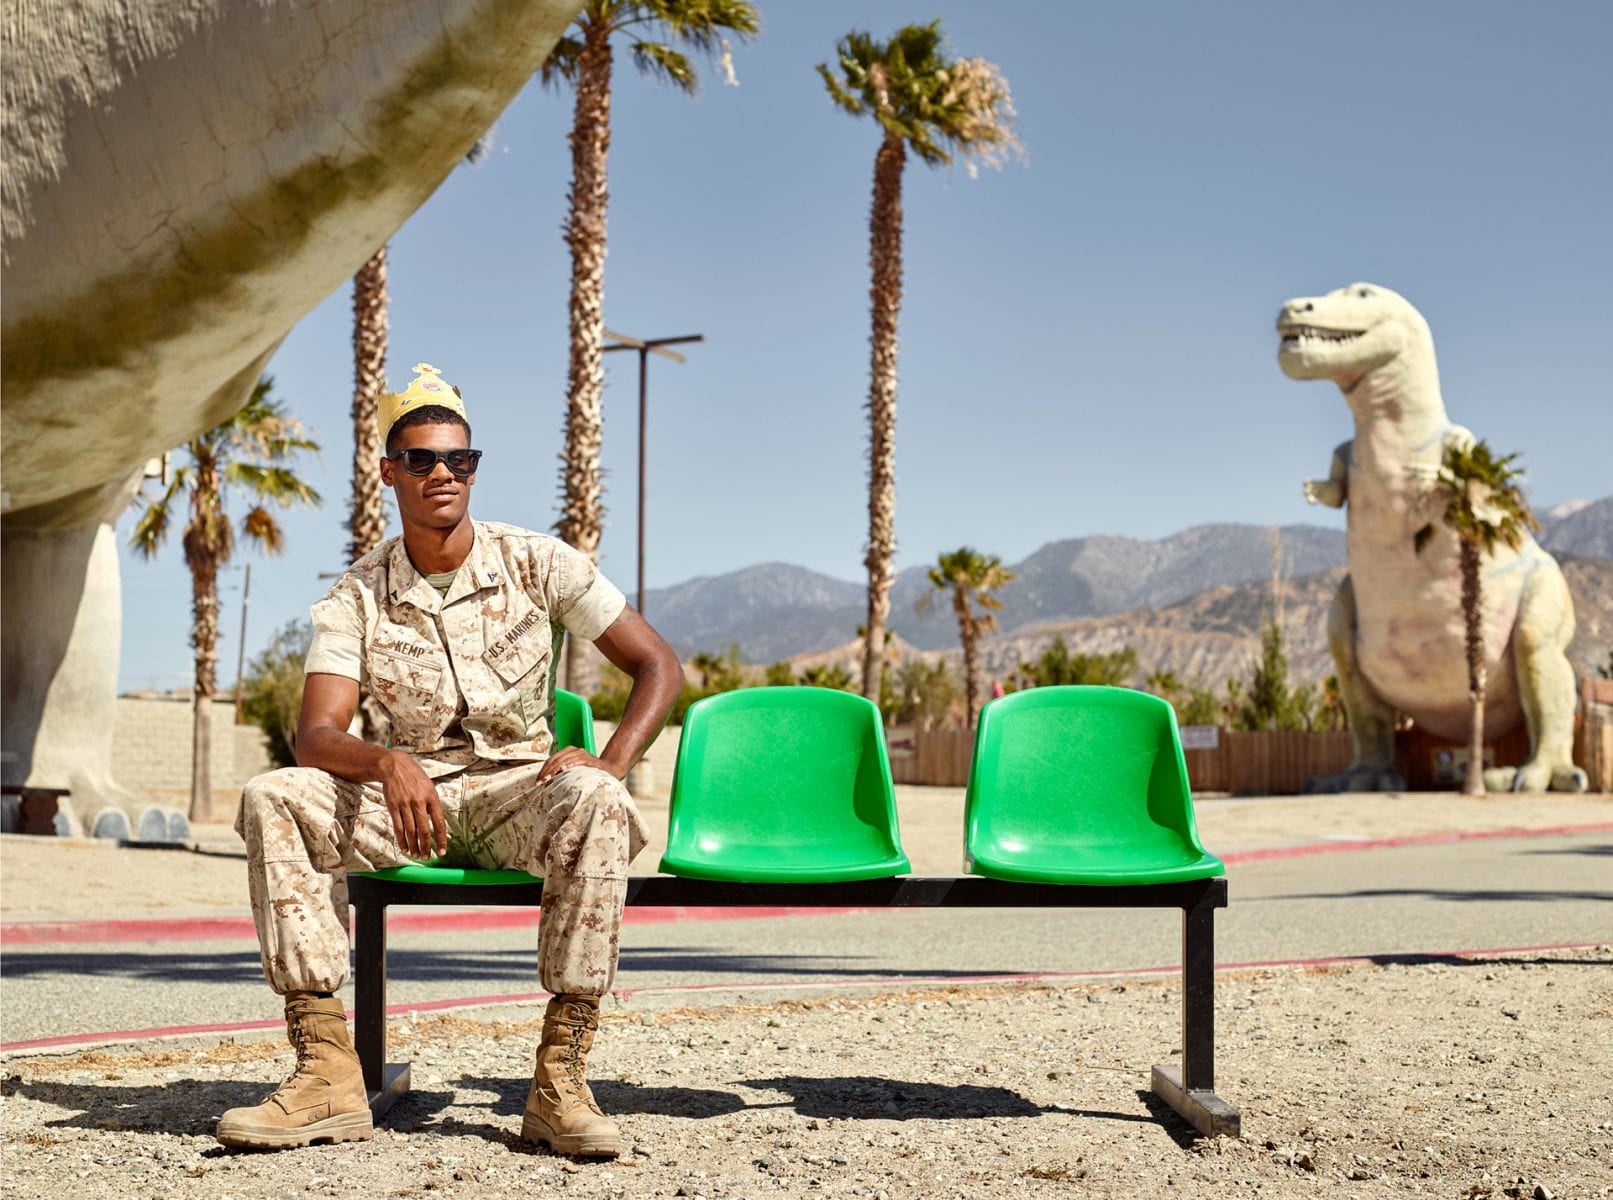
(1189, 1089)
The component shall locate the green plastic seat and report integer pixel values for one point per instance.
(1081, 785)
(783, 785)
(573, 725)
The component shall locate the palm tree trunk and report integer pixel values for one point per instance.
(1473, 617)
(366, 522)
(204, 637)
(581, 513)
(885, 302)
(968, 634)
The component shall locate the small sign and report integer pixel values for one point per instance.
(901, 741)
(1201, 737)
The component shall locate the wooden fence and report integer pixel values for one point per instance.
(936, 757)
(1264, 763)
(1279, 763)
(1593, 736)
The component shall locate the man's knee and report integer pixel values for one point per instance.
(598, 793)
(278, 797)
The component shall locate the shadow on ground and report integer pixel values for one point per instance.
(139, 1108)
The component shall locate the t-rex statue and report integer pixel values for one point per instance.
(1396, 629)
(180, 184)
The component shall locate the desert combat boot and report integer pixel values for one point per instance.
(560, 1110)
(324, 1099)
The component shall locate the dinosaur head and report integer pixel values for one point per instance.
(1348, 333)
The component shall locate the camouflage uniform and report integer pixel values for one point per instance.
(466, 687)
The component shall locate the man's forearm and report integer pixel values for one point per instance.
(655, 689)
(341, 754)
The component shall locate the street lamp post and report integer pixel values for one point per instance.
(645, 348)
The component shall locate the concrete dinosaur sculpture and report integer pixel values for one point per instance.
(180, 184)
(1396, 629)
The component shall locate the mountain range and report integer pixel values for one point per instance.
(774, 611)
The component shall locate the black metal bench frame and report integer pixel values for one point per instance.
(1189, 1090)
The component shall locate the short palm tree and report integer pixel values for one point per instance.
(1484, 505)
(939, 107)
(973, 580)
(248, 454)
(366, 515)
(654, 30)
(707, 664)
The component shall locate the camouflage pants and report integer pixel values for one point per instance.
(305, 829)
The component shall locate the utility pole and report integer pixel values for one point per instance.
(645, 347)
(240, 651)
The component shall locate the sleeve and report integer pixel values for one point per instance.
(578, 596)
(338, 642)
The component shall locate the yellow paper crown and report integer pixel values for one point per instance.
(428, 387)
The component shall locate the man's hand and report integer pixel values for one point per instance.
(572, 756)
(411, 797)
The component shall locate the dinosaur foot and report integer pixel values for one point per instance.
(1356, 779)
(1537, 777)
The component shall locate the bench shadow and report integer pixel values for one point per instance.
(1504, 960)
(1604, 851)
(165, 966)
(420, 1110)
(1475, 895)
(1176, 1127)
(873, 1097)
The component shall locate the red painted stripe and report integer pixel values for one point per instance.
(196, 929)
(899, 981)
(205, 929)
(1418, 839)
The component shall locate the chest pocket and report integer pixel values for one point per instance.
(520, 658)
(405, 686)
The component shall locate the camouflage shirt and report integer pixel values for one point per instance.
(465, 676)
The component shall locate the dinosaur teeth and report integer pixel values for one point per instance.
(1294, 333)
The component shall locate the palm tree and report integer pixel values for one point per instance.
(246, 453)
(584, 58)
(366, 516)
(1484, 504)
(706, 663)
(973, 580)
(940, 107)
(366, 510)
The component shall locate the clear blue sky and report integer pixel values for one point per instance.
(1086, 342)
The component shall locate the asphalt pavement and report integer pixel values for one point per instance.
(1408, 887)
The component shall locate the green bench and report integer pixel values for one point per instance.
(1077, 798)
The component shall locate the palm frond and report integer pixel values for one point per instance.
(1484, 500)
(260, 527)
(561, 65)
(666, 65)
(151, 530)
(277, 484)
(939, 105)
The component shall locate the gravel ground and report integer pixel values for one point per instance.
(1461, 1078)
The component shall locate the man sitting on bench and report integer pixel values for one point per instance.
(453, 628)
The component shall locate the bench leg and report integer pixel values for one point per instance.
(384, 1081)
(1191, 1091)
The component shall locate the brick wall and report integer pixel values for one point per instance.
(151, 751)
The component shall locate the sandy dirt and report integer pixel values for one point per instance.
(1468, 1078)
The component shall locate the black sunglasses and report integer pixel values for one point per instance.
(420, 461)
